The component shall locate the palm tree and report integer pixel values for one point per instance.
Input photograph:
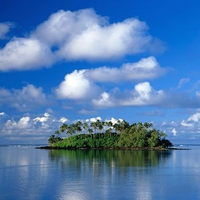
(77, 126)
(109, 124)
(100, 127)
(90, 131)
(70, 129)
(148, 125)
(85, 126)
(140, 125)
(123, 125)
(94, 126)
(63, 128)
(51, 139)
(117, 127)
(57, 132)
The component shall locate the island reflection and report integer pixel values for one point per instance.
(107, 174)
(119, 158)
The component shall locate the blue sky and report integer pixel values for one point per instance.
(62, 61)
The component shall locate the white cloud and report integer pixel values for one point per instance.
(78, 35)
(76, 86)
(174, 131)
(23, 123)
(146, 68)
(113, 120)
(143, 90)
(2, 113)
(99, 42)
(24, 54)
(43, 122)
(195, 117)
(63, 26)
(104, 100)
(4, 29)
(63, 120)
(184, 129)
(93, 119)
(82, 84)
(28, 97)
(31, 129)
(46, 114)
(142, 94)
(183, 81)
(186, 124)
(41, 119)
(94, 38)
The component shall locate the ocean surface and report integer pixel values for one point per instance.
(27, 173)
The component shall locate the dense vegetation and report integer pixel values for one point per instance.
(100, 134)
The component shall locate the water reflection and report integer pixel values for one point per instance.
(118, 174)
(29, 174)
(119, 158)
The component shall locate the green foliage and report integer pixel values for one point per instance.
(54, 139)
(86, 141)
(118, 135)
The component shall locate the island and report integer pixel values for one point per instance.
(108, 135)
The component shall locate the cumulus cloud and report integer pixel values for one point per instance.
(85, 35)
(89, 85)
(2, 113)
(195, 117)
(42, 119)
(142, 94)
(83, 84)
(192, 123)
(186, 124)
(93, 119)
(4, 29)
(33, 129)
(24, 54)
(63, 26)
(184, 128)
(106, 42)
(78, 35)
(76, 86)
(44, 122)
(23, 123)
(146, 68)
(94, 38)
(174, 131)
(63, 120)
(28, 96)
(105, 100)
(113, 120)
(24, 99)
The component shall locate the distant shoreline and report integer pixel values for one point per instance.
(114, 148)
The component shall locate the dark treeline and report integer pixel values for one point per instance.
(100, 134)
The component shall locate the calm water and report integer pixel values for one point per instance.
(27, 173)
